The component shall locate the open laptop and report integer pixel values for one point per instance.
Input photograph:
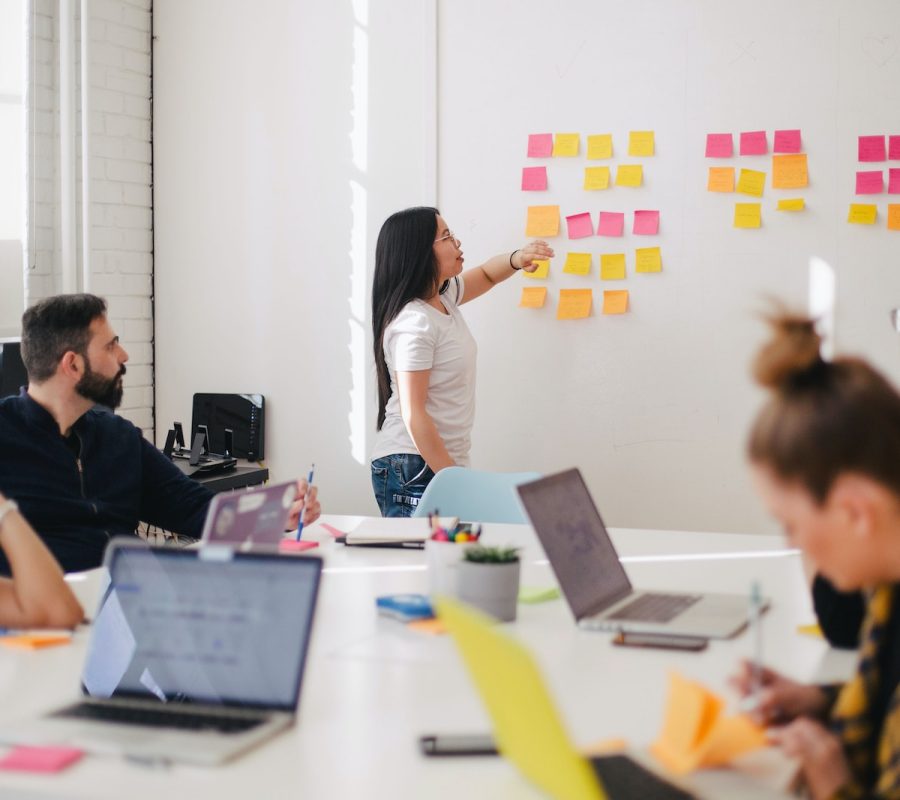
(253, 518)
(527, 727)
(593, 580)
(194, 656)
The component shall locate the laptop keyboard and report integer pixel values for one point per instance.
(152, 718)
(625, 779)
(651, 607)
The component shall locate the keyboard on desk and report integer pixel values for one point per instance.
(625, 779)
(160, 718)
(654, 607)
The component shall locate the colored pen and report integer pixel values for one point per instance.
(756, 624)
(309, 482)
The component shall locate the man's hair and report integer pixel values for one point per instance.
(55, 325)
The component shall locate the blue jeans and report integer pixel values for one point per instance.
(399, 481)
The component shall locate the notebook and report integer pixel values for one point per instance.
(251, 518)
(527, 726)
(395, 531)
(194, 656)
(593, 580)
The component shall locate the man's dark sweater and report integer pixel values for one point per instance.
(100, 481)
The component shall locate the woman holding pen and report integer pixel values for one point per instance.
(825, 456)
(424, 352)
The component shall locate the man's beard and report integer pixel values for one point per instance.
(105, 391)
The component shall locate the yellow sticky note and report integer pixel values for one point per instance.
(790, 172)
(533, 297)
(542, 271)
(612, 266)
(566, 144)
(862, 214)
(629, 175)
(542, 221)
(747, 215)
(615, 301)
(792, 204)
(751, 182)
(600, 145)
(647, 259)
(640, 143)
(721, 179)
(596, 177)
(894, 216)
(577, 263)
(812, 629)
(574, 303)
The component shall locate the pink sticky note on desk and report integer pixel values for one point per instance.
(894, 148)
(540, 145)
(612, 223)
(579, 225)
(871, 148)
(870, 182)
(753, 143)
(894, 181)
(787, 141)
(534, 179)
(40, 759)
(719, 145)
(646, 223)
(293, 546)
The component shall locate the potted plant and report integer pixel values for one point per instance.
(488, 578)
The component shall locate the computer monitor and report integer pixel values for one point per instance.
(12, 371)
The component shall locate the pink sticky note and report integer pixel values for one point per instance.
(894, 148)
(719, 145)
(579, 226)
(540, 145)
(871, 148)
(894, 181)
(870, 182)
(293, 546)
(646, 223)
(40, 759)
(753, 143)
(787, 141)
(612, 223)
(534, 179)
(335, 532)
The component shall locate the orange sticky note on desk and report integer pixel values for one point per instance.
(533, 297)
(542, 221)
(721, 179)
(574, 303)
(35, 641)
(615, 301)
(789, 172)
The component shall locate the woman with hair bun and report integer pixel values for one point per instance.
(825, 457)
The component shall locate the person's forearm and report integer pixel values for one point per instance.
(428, 441)
(499, 268)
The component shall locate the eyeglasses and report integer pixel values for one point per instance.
(448, 235)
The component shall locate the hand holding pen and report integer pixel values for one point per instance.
(306, 508)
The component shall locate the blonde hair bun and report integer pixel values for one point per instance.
(792, 351)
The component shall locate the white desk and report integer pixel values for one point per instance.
(371, 686)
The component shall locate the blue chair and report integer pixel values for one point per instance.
(475, 496)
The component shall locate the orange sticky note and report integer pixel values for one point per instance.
(433, 626)
(35, 641)
(894, 216)
(542, 271)
(542, 221)
(612, 266)
(721, 179)
(648, 259)
(566, 144)
(533, 297)
(615, 301)
(789, 172)
(599, 146)
(574, 303)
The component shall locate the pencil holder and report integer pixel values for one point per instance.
(443, 559)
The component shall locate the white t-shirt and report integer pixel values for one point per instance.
(421, 337)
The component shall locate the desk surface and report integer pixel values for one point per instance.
(372, 687)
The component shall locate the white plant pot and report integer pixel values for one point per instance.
(494, 588)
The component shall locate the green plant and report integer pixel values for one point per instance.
(492, 555)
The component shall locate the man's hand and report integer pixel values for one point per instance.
(307, 501)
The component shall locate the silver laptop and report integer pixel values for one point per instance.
(249, 519)
(593, 580)
(194, 656)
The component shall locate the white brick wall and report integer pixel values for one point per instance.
(121, 177)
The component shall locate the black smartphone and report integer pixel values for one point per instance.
(453, 744)
(666, 641)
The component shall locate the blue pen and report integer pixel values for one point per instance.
(309, 480)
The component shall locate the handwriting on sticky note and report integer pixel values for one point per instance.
(787, 141)
(566, 144)
(871, 148)
(540, 145)
(629, 175)
(870, 182)
(790, 172)
(574, 303)
(747, 215)
(641, 143)
(534, 179)
(791, 204)
(862, 214)
(721, 179)
(894, 148)
(596, 178)
(40, 759)
(894, 181)
(577, 263)
(533, 297)
(754, 143)
(751, 182)
(542, 221)
(646, 223)
(615, 301)
(542, 271)
(612, 223)
(612, 266)
(579, 225)
(893, 220)
(719, 145)
(599, 146)
(648, 259)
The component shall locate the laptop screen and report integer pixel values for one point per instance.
(576, 542)
(195, 626)
(253, 517)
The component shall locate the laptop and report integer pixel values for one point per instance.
(194, 656)
(527, 726)
(252, 518)
(593, 580)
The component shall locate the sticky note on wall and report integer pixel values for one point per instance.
(629, 175)
(540, 145)
(790, 172)
(577, 264)
(615, 302)
(579, 225)
(754, 143)
(600, 145)
(870, 182)
(533, 297)
(641, 143)
(721, 179)
(542, 221)
(871, 148)
(893, 221)
(787, 141)
(612, 266)
(612, 223)
(751, 182)
(596, 178)
(747, 215)
(894, 148)
(648, 259)
(574, 303)
(719, 145)
(566, 144)
(862, 214)
(894, 181)
(646, 223)
(534, 179)
(542, 271)
(792, 204)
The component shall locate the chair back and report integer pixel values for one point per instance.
(474, 495)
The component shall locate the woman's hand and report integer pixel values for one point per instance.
(307, 500)
(780, 699)
(537, 250)
(821, 756)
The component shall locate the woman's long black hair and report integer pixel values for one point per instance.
(405, 269)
